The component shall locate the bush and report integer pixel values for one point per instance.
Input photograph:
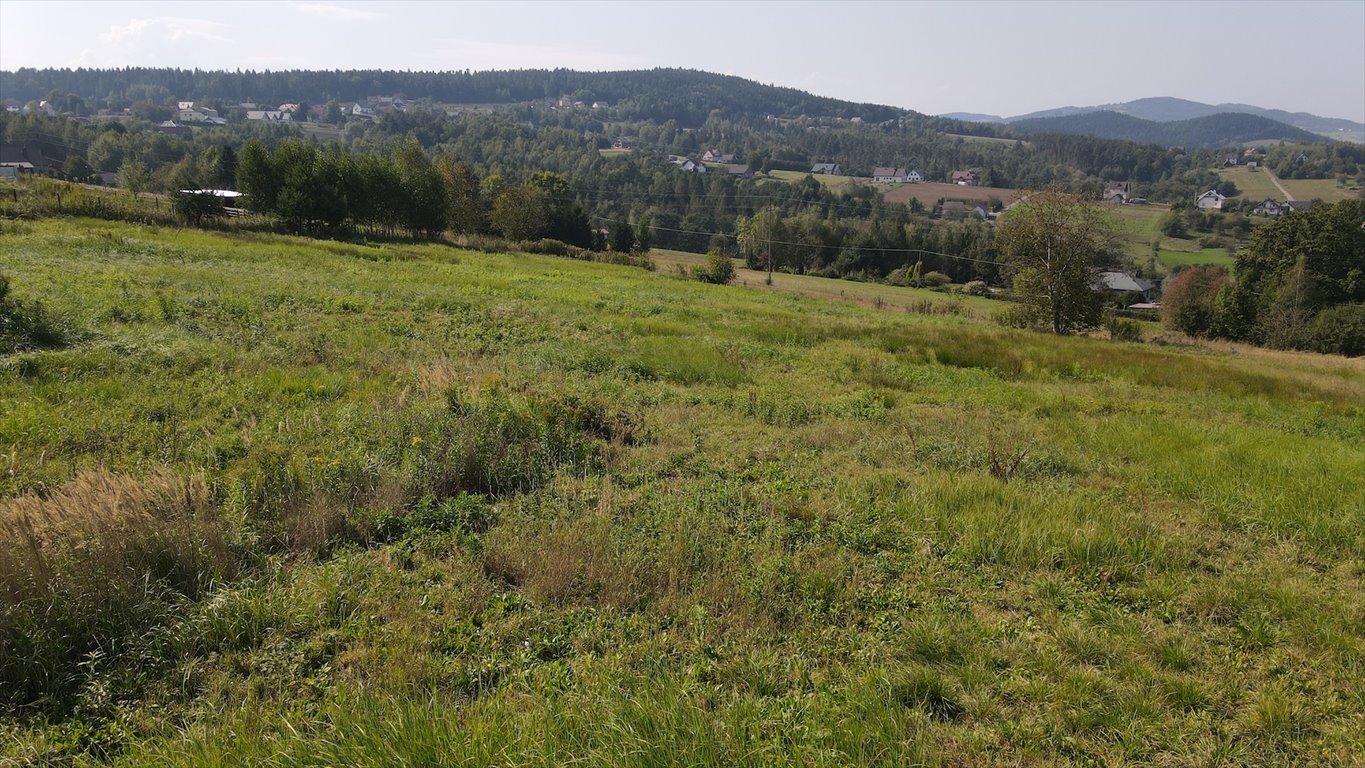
(936, 280)
(976, 288)
(26, 325)
(1338, 330)
(1123, 330)
(1187, 303)
(1017, 316)
(719, 269)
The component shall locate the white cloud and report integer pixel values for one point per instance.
(487, 54)
(170, 28)
(335, 12)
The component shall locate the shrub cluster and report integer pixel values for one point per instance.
(26, 325)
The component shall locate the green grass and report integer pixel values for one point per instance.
(1325, 189)
(1253, 185)
(290, 502)
(830, 180)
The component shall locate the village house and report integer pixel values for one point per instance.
(1124, 283)
(172, 128)
(966, 178)
(1271, 207)
(714, 155)
(269, 116)
(1117, 192)
(827, 168)
(690, 165)
(738, 169)
(25, 158)
(1210, 200)
(890, 175)
(914, 177)
(953, 209)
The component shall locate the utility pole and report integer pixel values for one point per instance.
(770, 257)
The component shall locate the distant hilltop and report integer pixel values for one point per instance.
(1166, 109)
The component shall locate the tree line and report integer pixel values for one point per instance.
(1299, 285)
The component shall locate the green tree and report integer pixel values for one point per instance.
(133, 176)
(464, 202)
(1187, 301)
(519, 213)
(256, 177)
(1051, 244)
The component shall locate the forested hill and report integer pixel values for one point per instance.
(1219, 130)
(684, 95)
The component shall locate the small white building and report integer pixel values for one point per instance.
(1210, 200)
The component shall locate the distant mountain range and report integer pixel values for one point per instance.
(1220, 130)
(1166, 109)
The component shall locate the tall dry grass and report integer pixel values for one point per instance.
(92, 568)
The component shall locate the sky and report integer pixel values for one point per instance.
(1003, 58)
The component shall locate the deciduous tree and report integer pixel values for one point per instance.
(1052, 244)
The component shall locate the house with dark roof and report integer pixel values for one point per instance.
(25, 158)
(714, 155)
(953, 209)
(1122, 282)
(829, 168)
(1117, 192)
(966, 178)
(738, 169)
(172, 128)
(890, 175)
(1271, 207)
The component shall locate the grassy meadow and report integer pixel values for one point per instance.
(1138, 226)
(302, 503)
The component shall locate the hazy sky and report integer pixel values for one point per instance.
(1001, 58)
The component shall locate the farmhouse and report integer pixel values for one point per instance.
(1122, 282)
(1117, 192)
(26, 158)
(914, 177)
(270, 115)
(890, 175)
(966, 178)
(1298, 205)
(738, 169)
(1210, 200)
(714, 155)
(829, 168)
(953, 209)
(1271, 207)
(690, 165)
(172, 128)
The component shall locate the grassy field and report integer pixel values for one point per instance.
(877, 295)
(1138, 226)
(1253, 185)
(287, 502)
(928, 193)
(1325, 189)
(829, 180)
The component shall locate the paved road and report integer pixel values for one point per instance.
(1277, 183)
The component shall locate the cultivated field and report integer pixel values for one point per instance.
(928, 193)
(290, 502)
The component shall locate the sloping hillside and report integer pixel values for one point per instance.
(1218, 130)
